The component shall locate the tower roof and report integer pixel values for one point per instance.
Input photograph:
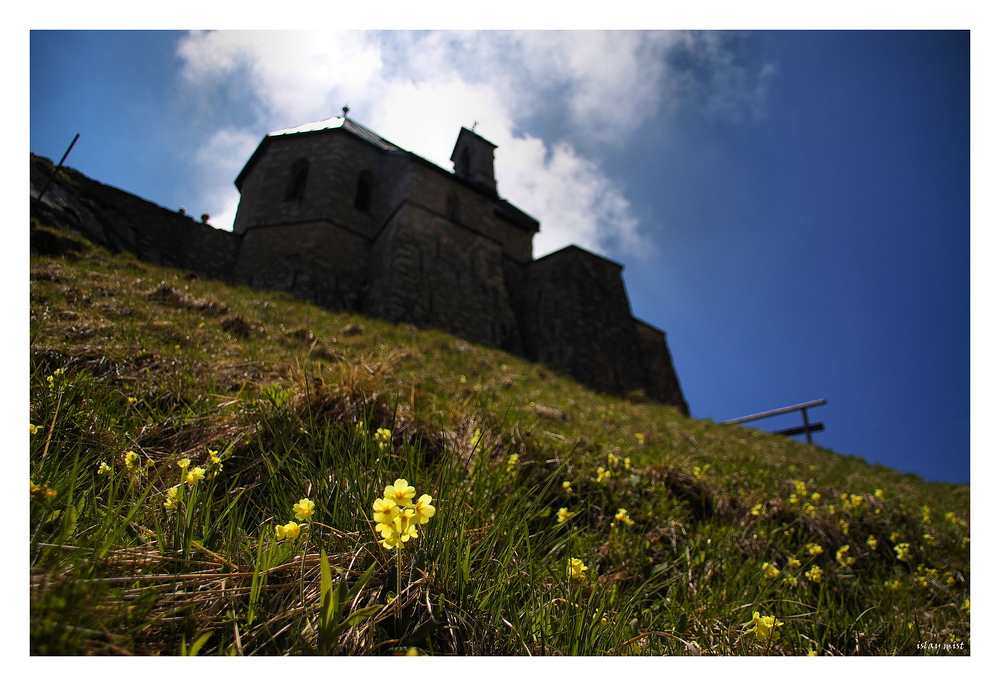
(330, 124)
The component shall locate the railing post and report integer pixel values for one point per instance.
(57, 168)
(805, 425)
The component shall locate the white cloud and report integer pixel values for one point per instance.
(417, 89)
(226, 150)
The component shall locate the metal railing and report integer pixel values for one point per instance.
(806, 428)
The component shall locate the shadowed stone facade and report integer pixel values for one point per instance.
(335, 214)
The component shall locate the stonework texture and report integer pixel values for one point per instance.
(333, 213)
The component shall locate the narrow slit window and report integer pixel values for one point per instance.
(297, 181)
(363, 196)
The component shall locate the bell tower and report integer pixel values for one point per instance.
(473, 158)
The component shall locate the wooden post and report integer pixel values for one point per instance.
(58, 167)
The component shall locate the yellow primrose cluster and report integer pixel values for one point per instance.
(396, 516)
(843, 558)
(41, 491)
(383, 437)
(189, 475)
(575, 569)
(303, 511)
(55, 377)
(763, 627)
(623, 517)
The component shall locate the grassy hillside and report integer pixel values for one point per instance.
(177, 421)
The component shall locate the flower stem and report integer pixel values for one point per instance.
(398, 586)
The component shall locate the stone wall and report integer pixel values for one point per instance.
(123, 222)
(577, 318)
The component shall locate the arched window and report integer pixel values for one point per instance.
(296, 189)
(365, 192)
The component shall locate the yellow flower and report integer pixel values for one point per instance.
(878, 493)
(894, 536)
(512, 463)
(815, 574)
(842, 556)
(765, 627)
(696, 472)
(304, 509)
(903, 552)
(808, 509)
(33, 429)
(563, 515)
(770, 571)
(926, 512)
(814, 549)
(892, 585)
(171, 502)
(757, 509)
(403, 526)
(196, 474)
(384, 438)
(41, 491)
(103, 469)
(400, 492)
(792, 581)
(845, 526)
(639, 437)
(390, 540)
(872, 542)
(423, 509)
(628, 463)
(575, 568)
(800, 488)
(289, 531)
(568, 487)
(815, 497)
(214, 462)
(602, 474)
(857, 501)
(793, 499)
(794, 563)
(132, 400)
(612, 460)
(184, 463)
(386, 511)
(131, 461)
(623, 517)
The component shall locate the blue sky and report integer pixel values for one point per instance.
(793, 208)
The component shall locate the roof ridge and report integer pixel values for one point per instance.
(359, 130)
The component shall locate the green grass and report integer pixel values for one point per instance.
(129, 357)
